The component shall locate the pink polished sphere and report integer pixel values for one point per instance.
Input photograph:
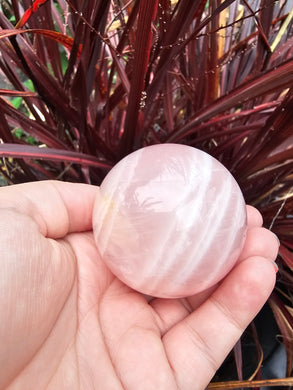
(170, 221)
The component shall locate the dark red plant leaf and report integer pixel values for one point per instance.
(40, 131)
(237, 350)
(50, 154)
(212, 50)
(264, 9)
(9, 92)
(121, 71)
(51, 47)
(15, 5)
(283, 156)
(5, 133)
(289, 244)
(146, 14)
(285, 322)
(28, 13)
(287, 256)
(172, 43)
(252, 385)
(259, 351)
(48, 88)
(271, 81)
(168, 103)
(56, 36)
(128, 27)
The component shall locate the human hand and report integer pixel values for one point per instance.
(68, 323)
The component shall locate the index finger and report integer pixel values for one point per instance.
(58, 208)
(254, 217)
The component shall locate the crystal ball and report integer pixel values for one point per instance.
(169, 221)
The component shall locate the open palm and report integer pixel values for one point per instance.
(68, 323)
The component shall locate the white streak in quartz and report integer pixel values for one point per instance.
(219, 207)
(220, 267)
(172, 242)
(234, 233)
(201, 246)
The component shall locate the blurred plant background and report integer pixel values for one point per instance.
(84, 83)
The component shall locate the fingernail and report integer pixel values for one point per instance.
(276, 266)
(277, 238)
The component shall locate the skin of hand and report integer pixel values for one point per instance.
(68, 323)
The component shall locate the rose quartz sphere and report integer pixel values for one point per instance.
(169, 221)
